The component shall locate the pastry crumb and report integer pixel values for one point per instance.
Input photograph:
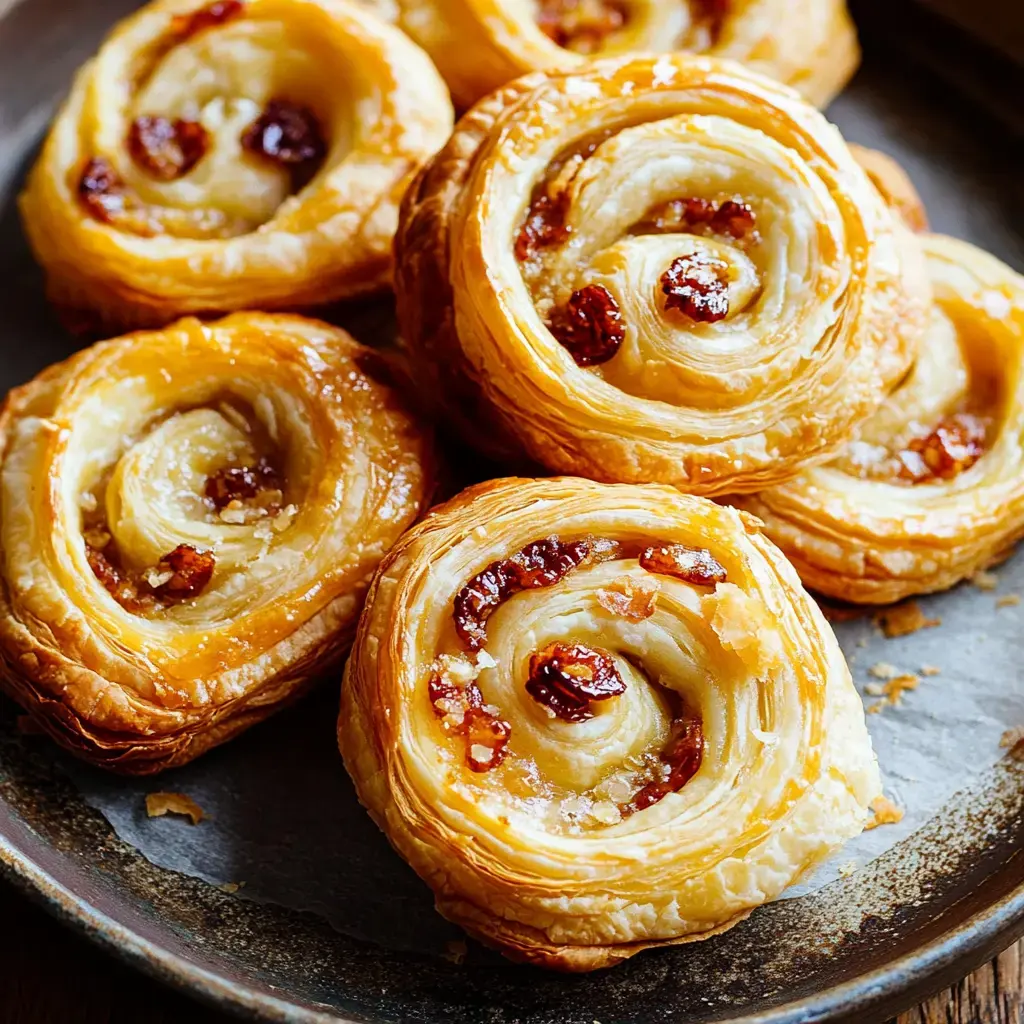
(847, 869)
(231, 887)
(456, 951)
(891, 692)
(883, 670)
(1012, 737)
(159, 804)
(985, 580)
(929, 670)
(1008, 601)
(633, 601)
(904, 619)
(885, 813)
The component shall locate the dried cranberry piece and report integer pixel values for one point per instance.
(694, 565)
(185, 25)
(191, 569)
(102, 190)
(540, 564)
(580, 25)
(240, 483)
(697, 285)
(953, 446)
(544, 225)
(287, 134)
(566, 677)
(683, 755)
(589, 326)
(167, 149)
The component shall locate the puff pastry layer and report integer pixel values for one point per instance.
(597, 718)
(933, 487)
(656, 269)
(242, 154)
(480, 45)
(190, 519)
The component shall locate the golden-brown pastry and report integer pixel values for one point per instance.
(660, 269)
(190, 518)
(237, 155)
(597, 718)
(894, 185)
(479, 45)
(933, 487)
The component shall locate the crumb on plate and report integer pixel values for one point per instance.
(159, 804)
(904, 619)
(885, 811)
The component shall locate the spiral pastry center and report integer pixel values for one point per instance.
(222, 125)
(667, 274)
(565, 647)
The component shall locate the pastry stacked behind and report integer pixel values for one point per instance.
(479, 45)
(597, 711)
(234, 156)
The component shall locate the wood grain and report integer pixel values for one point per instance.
(48, 975)
(992, 995)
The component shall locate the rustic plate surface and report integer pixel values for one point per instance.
(933, 908)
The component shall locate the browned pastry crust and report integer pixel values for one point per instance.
(480, 45)
(894, 186)
(932, 489)
(597, 718)
(655, 269)
(231, 156)
(189, 521)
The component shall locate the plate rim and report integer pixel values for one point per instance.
(894, 987)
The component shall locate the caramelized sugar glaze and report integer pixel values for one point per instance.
(556, 688)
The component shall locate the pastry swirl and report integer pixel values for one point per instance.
(597, 718)
(655, 269)
(480, 45)
(932, 489)
(238, 155)
(190, 518)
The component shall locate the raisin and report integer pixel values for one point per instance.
(953, 446)
(540, 564)
(463, 713)
(287, 134)
(191, 571)
(730, 217)
(102, 191)
(682, 756)
(120, 587)
(167, 149)
(544, 225)
(697, 285)
(185, 25)
(241, 483)
(589, 326)
(565, 678)
(486, 740)
(694, 565)
(580, 25)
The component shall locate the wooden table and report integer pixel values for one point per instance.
(48, 975)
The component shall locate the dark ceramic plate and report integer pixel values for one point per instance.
(366, 946)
